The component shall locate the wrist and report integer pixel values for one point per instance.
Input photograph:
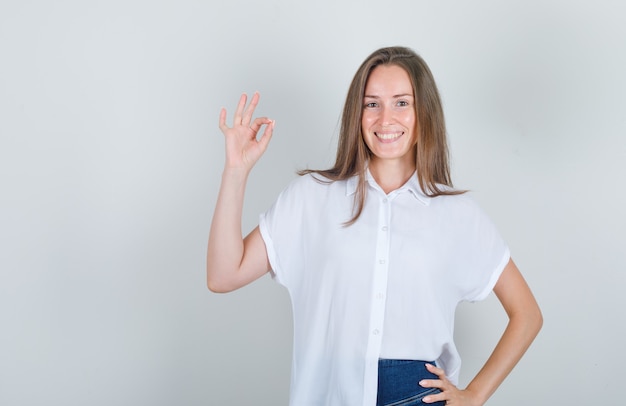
(235, 173)
(475, 396)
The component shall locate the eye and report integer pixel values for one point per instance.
(371, 105)
(403, 103)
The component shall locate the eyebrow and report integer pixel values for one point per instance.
(394, 96)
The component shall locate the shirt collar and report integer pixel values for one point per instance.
(412, 186)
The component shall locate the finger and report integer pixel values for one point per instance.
(222, 122)
(432, 383)
(247, 115)
(440, 397)
(267, 135)
(437, 371)
(258, 122)
(240, 107)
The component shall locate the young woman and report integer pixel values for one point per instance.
(376, 252)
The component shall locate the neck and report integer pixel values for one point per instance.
(390, 174)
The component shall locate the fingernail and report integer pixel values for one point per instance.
(421, 383)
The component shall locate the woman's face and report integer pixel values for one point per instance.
(388, 123)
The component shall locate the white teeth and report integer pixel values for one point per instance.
(388, 136)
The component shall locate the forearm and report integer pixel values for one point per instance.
(517, 337)
(226, 247)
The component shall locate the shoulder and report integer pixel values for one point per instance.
(313, 183)
(454, 199)
(310, 197)
(309, 190)
(462, 204)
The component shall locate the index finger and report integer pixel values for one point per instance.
(437, 371)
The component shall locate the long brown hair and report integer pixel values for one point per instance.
(433, 169)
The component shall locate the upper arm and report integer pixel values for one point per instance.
(254, 264)
(514, 293)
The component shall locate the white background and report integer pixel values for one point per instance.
(110, 162)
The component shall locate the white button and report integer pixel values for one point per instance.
(384, 200)
(380, 295)
(382, 261)
(375, 332)
(384, 228)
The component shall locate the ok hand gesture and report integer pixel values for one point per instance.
(243, 149)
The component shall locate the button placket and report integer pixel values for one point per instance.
(379, 289)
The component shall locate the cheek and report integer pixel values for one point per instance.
(409, 120)
(366, 121)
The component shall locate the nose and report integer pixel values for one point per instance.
(386, 115)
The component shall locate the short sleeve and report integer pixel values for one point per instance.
(281, 229)
(493, 279)
(484, 253)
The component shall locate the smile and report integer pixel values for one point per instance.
(389, 136)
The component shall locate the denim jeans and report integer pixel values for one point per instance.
(398, 383)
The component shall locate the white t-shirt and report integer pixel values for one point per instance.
(385, 287)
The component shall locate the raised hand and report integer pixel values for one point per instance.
(243, 149)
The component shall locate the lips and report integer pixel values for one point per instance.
(388, 136)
